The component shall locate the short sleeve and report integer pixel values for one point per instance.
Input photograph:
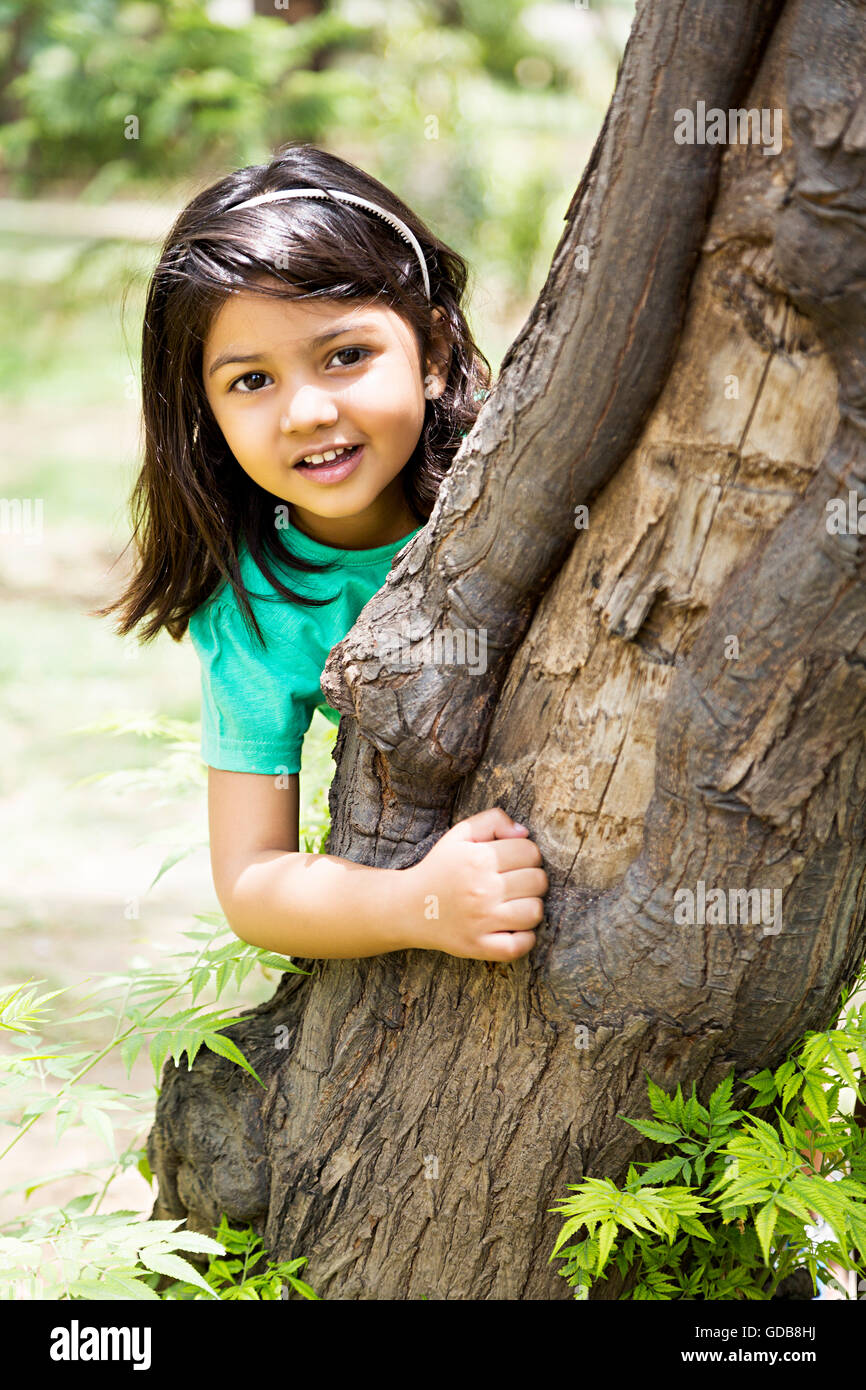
(256, 704)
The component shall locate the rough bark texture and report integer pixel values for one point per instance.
(675, 693)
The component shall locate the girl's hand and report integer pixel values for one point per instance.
(478, 892)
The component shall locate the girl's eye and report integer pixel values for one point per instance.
(339, 353)
(246, 377)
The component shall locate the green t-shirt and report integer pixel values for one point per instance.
(258, 704)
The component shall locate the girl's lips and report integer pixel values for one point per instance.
(332, 472)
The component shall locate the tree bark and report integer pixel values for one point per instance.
(674, 694)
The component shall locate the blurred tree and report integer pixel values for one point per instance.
(471, 112)
(291, 11)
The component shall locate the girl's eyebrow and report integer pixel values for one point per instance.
(356, 326)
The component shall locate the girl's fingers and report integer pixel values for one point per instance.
(523, 883)
(492, 824)
(520, 914)
(506, 945)
(514, 853)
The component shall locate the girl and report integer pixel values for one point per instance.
(307, 375)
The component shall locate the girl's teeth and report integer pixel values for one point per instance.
(315, 459)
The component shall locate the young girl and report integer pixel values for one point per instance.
(307, 376)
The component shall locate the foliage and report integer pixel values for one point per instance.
(730, 1211)
(480, 113)
(206, 91)
(188, 82)
(77, 1251)
(233, 1279)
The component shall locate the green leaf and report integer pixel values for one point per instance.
(841, 1061)
(662, 1171)
(280, 963)
(194, 1240)
(112, 1286)
(814, 1050)
(762, 1082)
(79, 1204)
(765, 1224)
(568, 1230)
(303, 1288)
(814, 1097)
(99, 1123)
(786, 1201)
(606, 1237)
(177, 1268)
(695, 1227)
(721, 1096)
(658, 1099)
(175, 858)
(695, 1113)
(791, 1087)
(130, 1048)
(224, 1047)
(652, 1129)
(199, 980)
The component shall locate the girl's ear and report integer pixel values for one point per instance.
(438, 352)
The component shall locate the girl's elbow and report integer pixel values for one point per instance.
(232, 902)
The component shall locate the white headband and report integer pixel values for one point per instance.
(400, 228)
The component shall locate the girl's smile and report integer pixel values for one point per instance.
(334, 468)
(320, 375)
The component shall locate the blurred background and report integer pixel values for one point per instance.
(480, 114)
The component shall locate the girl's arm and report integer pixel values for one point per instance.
(283, 900)
(476, 894)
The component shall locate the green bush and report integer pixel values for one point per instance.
(233, 1279)
(726, 1213)
(481, 120)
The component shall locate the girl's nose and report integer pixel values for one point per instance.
(307, 408)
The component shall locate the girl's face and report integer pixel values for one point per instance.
(286, 379)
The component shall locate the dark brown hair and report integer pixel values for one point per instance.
(192, 505)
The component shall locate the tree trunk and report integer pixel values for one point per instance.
(291, 11)
(675, 695)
